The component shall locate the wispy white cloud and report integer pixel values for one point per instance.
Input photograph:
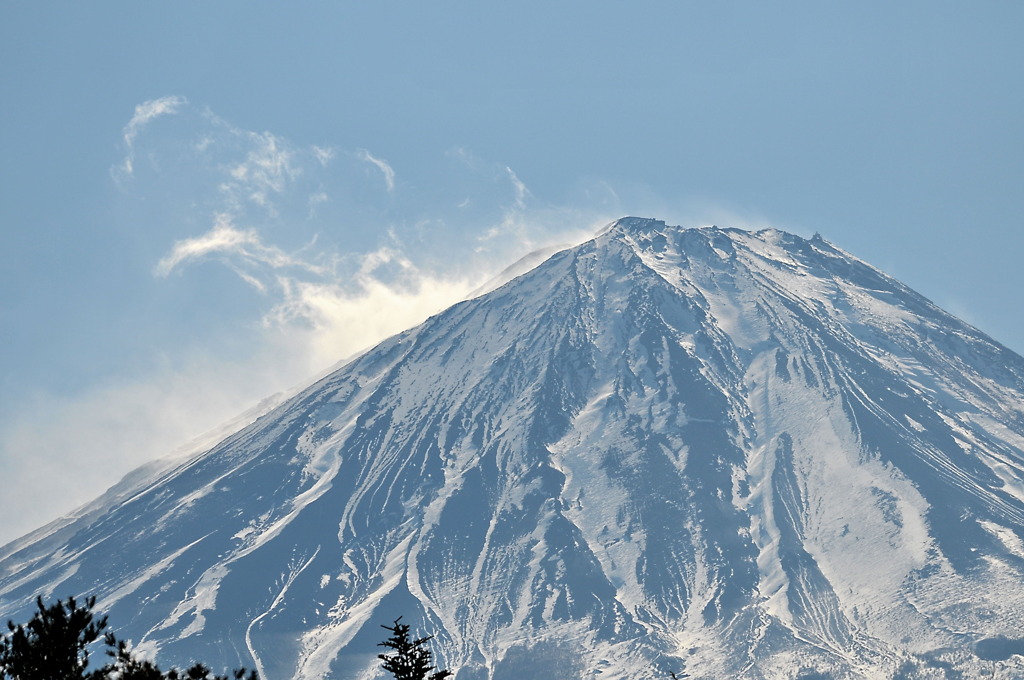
(314, 201)
(382, 165)
(330, 311)
(147, 111)
(241, 246)
(266, 170)
(521, 192)
(144, 114)
(466, 158)
(323, 155)
(514, 222)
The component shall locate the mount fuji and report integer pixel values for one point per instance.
(707, 452)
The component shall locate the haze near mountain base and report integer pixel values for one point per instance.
(701, 451)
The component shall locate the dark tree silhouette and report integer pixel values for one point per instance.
(54, 645)
(411, 659)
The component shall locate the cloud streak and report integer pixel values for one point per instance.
(233, 244)
(145, 113)
(382, 165)
(521, 192)
(328, 310)
(267, 170)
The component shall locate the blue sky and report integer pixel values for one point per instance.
(206, 203)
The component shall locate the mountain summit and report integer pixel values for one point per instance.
(701, 451)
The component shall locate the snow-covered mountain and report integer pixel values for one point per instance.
(701, 451)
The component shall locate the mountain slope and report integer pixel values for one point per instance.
(665, 449)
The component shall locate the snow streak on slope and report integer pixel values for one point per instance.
(708, 450)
